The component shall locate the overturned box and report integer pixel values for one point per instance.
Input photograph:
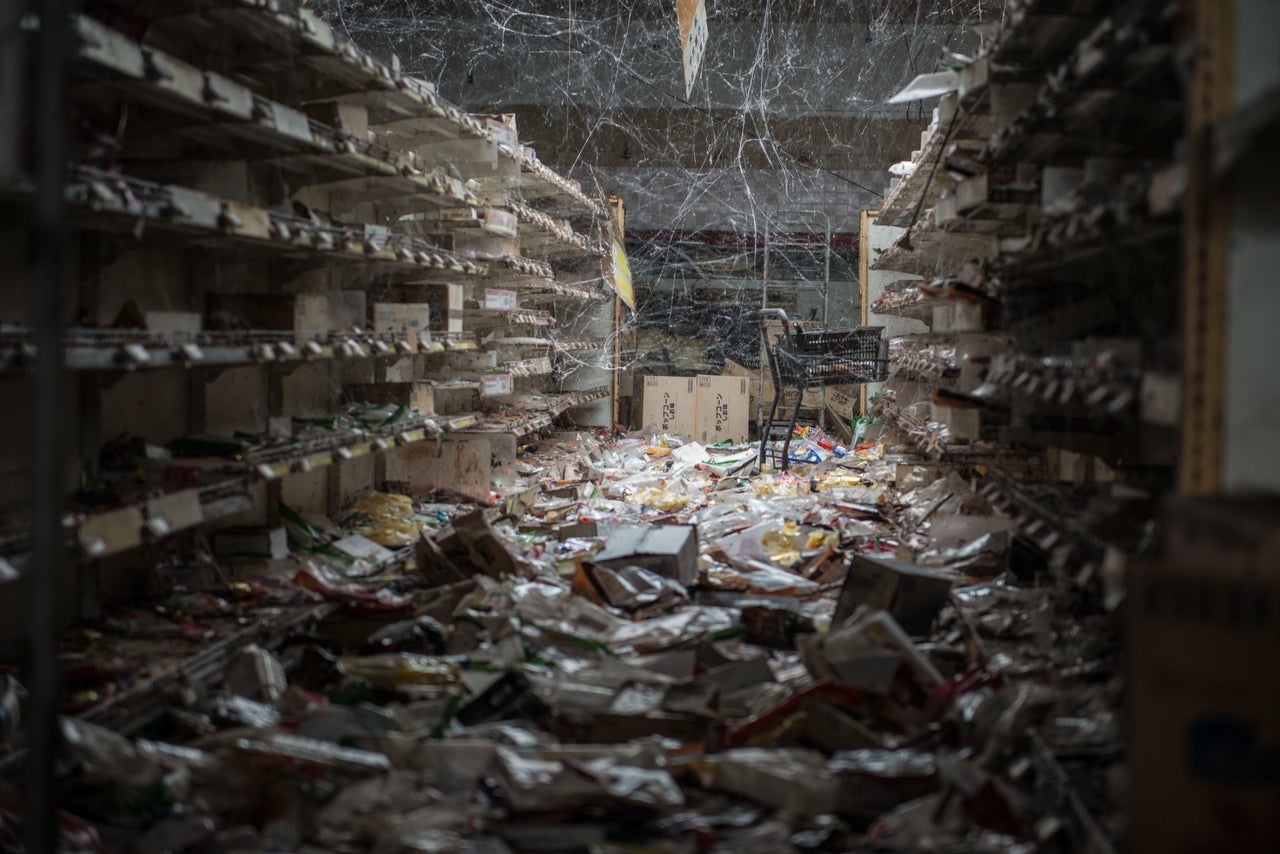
(669, 550)
(912, 594)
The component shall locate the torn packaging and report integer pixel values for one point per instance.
(872, 782)
(871, 654)
(471, 547)
(538, 780)
(628, 588)
(434, 565)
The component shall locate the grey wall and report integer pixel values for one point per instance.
(740, 200)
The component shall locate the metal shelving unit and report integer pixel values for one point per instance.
(261, 163)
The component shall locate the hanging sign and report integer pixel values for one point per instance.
(692, 15)
(617, 240)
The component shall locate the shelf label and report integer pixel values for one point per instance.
(502, 223)
(496, 385)
(499, 299)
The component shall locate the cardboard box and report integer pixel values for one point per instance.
(669, 550)
(912, 594)
(456, 398)
(352, 118)
(410, 319)
(446, 307)
(349, 310)
(720, 407)
(420, 397)
(670, 404)
(304, 313)
(1204, 705)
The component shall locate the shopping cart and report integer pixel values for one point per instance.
(800, 360)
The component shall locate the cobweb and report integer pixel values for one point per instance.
(759, 174)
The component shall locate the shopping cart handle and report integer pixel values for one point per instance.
(777, 314)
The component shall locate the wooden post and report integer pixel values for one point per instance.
(1206, 227)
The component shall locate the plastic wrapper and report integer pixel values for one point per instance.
(382, 507)
(355, 597)
(663, 500)
(360, 811)
(436, 828)
(12, 696)
(107, 755)
(454, 766)
(759, 578)
(257, 675)
(531, 783)
(394, 535)
(716, 522)
(399, 669)
(794, 780)
(554, 608)
(280, 750)
(783, 484)
(558, 779)
(874, 781)
(931, 823)
(419, 634)
(244, 712)
(945, 495)
(868, 654)
(651, 787)
(136, 780)
(687, 624)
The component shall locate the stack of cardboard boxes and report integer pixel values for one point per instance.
(709, 409)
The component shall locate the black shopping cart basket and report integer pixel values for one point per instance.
(800, 360)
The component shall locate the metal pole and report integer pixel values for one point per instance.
(45, 423)
(764, 303)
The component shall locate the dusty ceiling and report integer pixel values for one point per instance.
(786, 129)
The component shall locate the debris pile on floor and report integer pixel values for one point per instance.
(638, 645)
